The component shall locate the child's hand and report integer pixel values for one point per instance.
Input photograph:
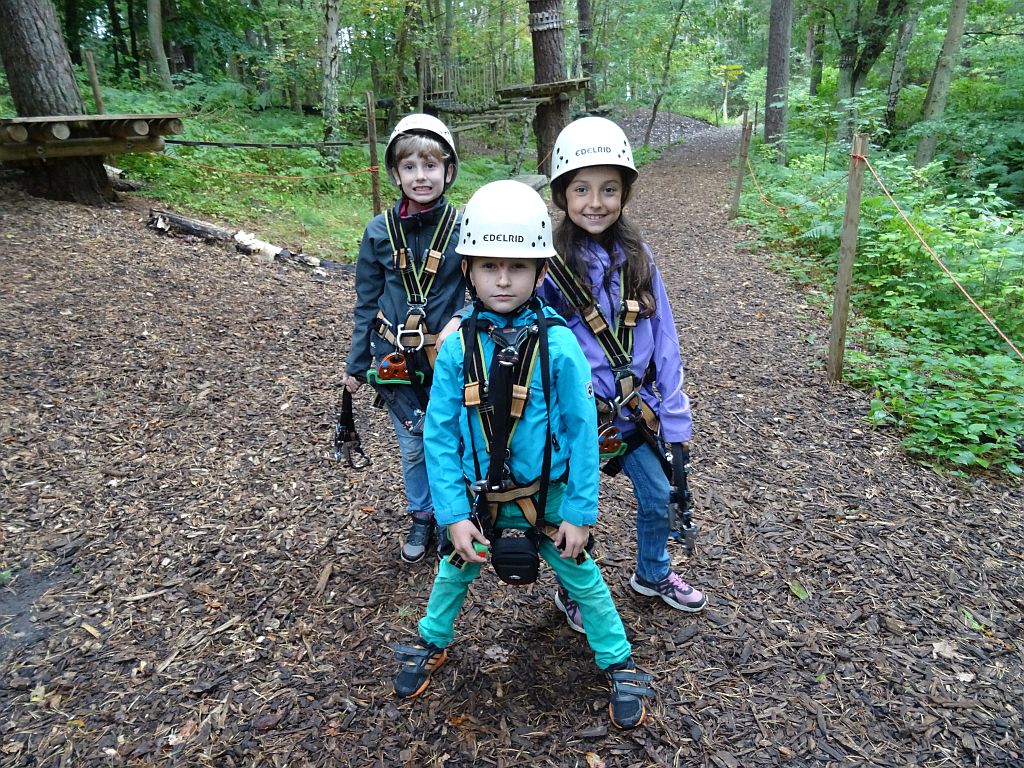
(450, 327)
(352, 383)
(571, 539)
(463, 533)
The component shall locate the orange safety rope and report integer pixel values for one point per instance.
(371, 169)
(782, 209)
(937, 259)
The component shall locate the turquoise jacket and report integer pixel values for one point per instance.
(448, 443)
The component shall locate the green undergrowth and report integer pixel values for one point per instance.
(938, 372)
(290, 197)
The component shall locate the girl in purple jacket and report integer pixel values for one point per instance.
(638, 380)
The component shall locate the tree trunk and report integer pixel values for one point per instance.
(133, 39)
(330, 65)
(73, 30)
(776, 96)
(666, 71)
(407, 28)
(855, 62)
(817, 56)
(899, 65)
(586, 29)
(548, 67)
(118, 43)
(156, 43)
(938, 89)
(42, 82)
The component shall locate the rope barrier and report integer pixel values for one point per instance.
(254, 145)
(371, 169)
(811, 199)
(782, 211)
(936, 258)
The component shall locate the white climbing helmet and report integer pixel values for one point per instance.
(592, 141)
(430, 125)
(506, 220)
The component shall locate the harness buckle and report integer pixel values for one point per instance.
(508, 356)
(415, 333)
(621, 404)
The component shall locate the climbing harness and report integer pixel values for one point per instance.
(617, 346)
(412, 361)
(499, 397)
(347, 446)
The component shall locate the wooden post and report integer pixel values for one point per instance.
(847, 251)
(371, 137)
(756, 104)
(419, 87)
(95, 81)
(741, 164)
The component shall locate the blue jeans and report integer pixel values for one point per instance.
(414, 468)
(651, 488)
(605, 633)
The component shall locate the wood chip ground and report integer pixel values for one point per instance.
(198, 583)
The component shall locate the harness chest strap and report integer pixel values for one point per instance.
(417, 284)
(498, 421)
(617, 345)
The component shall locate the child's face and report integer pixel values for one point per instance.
(422, 178)
(593, 199)
(505, 284)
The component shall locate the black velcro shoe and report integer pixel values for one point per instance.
(416, 663)
(418, 539)
(626, 705)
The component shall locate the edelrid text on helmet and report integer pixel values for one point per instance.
(591, 141)
(429, 126)
(506, 220)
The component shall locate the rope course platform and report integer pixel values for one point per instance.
(57, 136)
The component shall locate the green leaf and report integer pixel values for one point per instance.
(971, 622)
(798, 589)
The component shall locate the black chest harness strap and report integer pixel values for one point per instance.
(413, 334)
(499, 396)
(617, 345)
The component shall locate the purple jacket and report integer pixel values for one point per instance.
(654, 339)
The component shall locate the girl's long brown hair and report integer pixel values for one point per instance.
(569, 238)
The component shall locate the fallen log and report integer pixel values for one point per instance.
(244, 242)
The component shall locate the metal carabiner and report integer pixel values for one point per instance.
(416, 333)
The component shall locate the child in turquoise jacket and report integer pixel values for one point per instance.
(505, 241)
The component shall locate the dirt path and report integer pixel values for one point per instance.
(198, 583)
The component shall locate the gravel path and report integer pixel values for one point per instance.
(196, 582)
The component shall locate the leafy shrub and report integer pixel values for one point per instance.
(940, 374)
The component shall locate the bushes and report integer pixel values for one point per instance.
(939, 373)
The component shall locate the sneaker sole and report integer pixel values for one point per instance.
(416, 559)
(572, 624)
(641, 721)
(648, 592)
(426, 681)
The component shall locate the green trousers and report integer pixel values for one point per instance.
(605, 633)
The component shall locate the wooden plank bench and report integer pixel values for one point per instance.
(37, 138)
